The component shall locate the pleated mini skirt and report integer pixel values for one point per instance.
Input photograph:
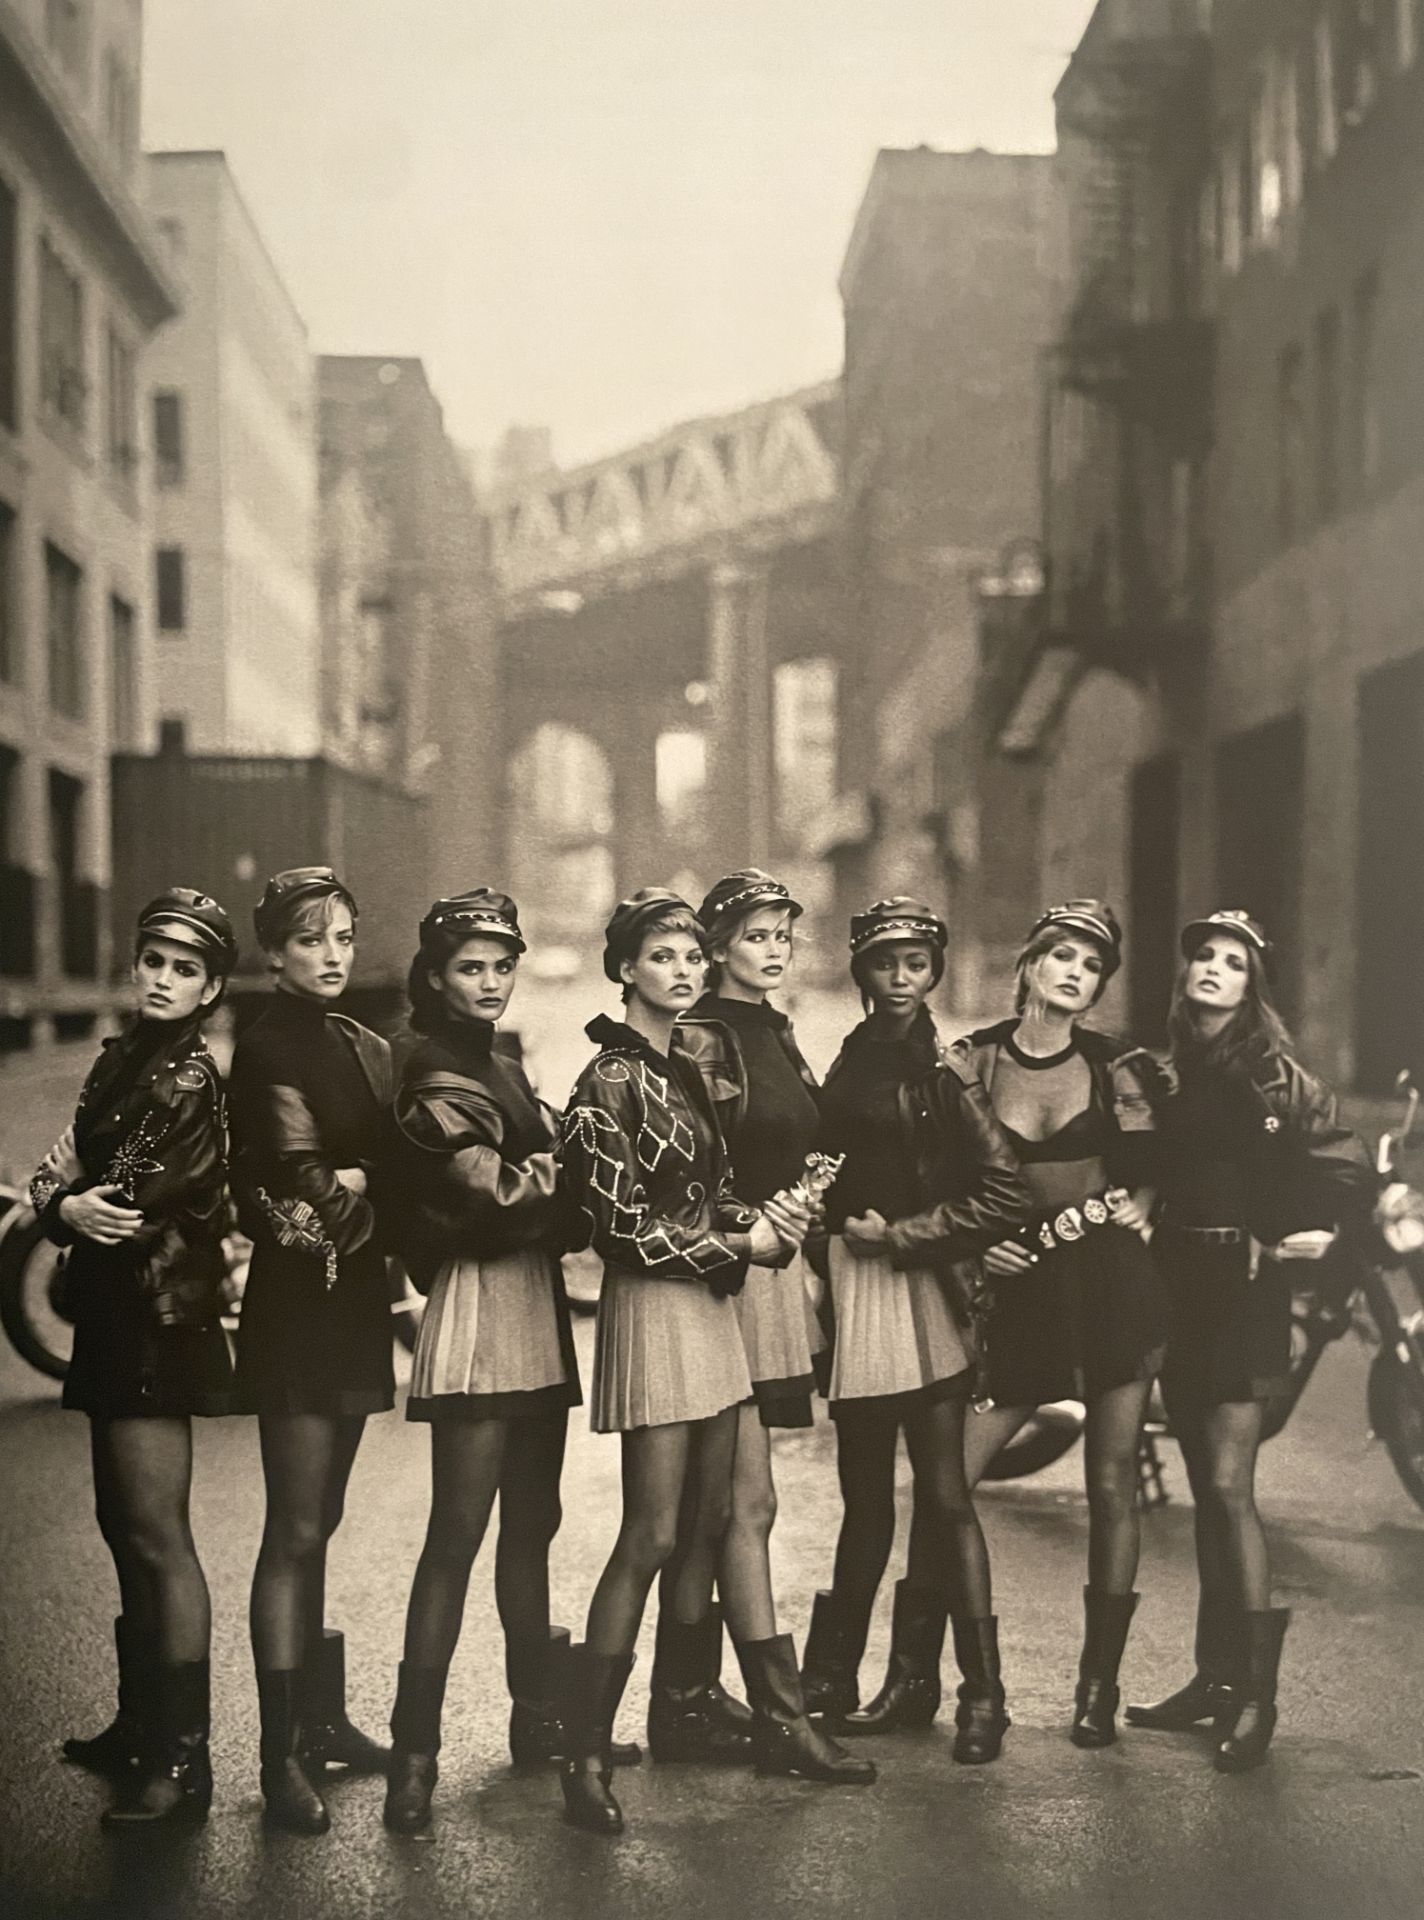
(896, 1333)
(490, 1343)
(664, 1351)
(781, 1335)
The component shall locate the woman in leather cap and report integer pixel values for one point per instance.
(309, 1091)
(1256, 1174)
(645, 1160)
(1078, 1308)
(765, 1097)
(137, 1189)
(483, 1223)
(929, 1181)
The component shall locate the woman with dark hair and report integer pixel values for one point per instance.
(137, 1189)
(765, 1098)
(1077, 1310)
(1256, 1174)
(475, 1162)
(309, 1091)
(646, 1162)
(928, 1182)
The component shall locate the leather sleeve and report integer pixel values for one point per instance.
(282, 1155)
(183, 1195)
(993, 1202)
(463, 1195)
(1337, 1157)
(1135, 1085)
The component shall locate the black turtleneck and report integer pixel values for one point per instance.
(779, 1126)
(467, 1047)
(860, 1118)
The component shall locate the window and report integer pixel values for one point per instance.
(62, 382)
(9, 308)
(1364, 383)
(172, 598)
(123, 675)
(9, 630)
(1327, 411)
(168, 438)
(76, 900)
(1291, 478)
(122, 395)
(64, 583)
(120, 118)
(67, 31)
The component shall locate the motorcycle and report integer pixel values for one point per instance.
(1358, 1288)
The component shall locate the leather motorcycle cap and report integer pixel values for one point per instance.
(738, 894)
(623, 936)
(283, 892)
(192, 920)
(1234, 921)
(897, 918)
(1093, 919)
(480, 912)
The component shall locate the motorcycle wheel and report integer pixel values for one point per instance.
(1396, 1404)
(1045, 1437)
(32, 1307)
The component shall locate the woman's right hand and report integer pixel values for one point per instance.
(766, 1242)
(352, 1178)
(1008, 1260)
(93, 1217)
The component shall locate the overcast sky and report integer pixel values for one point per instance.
(602, 215)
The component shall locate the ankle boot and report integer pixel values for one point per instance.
(587, 1771)
(1243, 1732)
(173, 1783)
(911, 1693)
(1211, 1688)
(537, 1673)
(784, 1740)
(690, 1716)
(118, 1749)
(980, 1716)
(328, 1737)
(835, 1646)
(415, 1731)
(292, 1801)
(1107, 1617)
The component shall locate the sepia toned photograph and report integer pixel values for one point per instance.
(711, 959)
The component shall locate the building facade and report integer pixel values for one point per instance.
(82, 289)
(230, 387)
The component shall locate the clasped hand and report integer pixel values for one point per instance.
(95, 1217)
(784, 1222)
(62, 1160)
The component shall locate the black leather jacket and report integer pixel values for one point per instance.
(162, 1138)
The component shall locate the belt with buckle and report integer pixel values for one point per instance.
(1068, 1224)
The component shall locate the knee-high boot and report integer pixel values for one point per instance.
(587, 1771)
(835, 1647)
(1107, 1617)
(981, 1717)
(784, 1739)
(415, 1733)
(1212, 1687)
(173, 1783)
(911, 1694)
(328, 1737)
(119, 1748)
(292, 1801)
(1243, 1731)
(536, 1671)
(691, 1716)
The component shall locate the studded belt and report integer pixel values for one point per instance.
(1068, 1224)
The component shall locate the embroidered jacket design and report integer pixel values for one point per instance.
(296, 1223)
(134, 1157)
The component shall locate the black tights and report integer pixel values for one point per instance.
(947, 1553)
(1219, 1448)
(470, 1462)
(143, 1477)
(306, 1462)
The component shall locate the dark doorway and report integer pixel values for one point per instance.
(1152, 903)
(1389, 983)
(1260, 789)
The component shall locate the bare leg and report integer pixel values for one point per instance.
(655, 1466)
(986, 1434)
(745, 1567)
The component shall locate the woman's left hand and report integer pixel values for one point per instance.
(867, 1235)
(62, 1160)
(1313, 1244)
(1131, 1210)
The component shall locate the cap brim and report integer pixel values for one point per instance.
(1196, 931)
(167, 927)
(906, 935)
(1082, 923)
(754, 903)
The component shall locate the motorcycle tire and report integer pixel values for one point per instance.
(31, 1304)
(1044, 1438)
(1396, 1404)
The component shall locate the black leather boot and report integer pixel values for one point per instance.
(911, 1693)
(830, 1666)
(980, 1717)
(537, 1673)
(118, 1749)
(1107, 1617)
(1211, 1688)
(587, 1771)
(328, 1737)
(690, 1715)
(293, 1802)
(173, 1784)
(415, 1730)
(1243, 1731)
(784, 1739)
